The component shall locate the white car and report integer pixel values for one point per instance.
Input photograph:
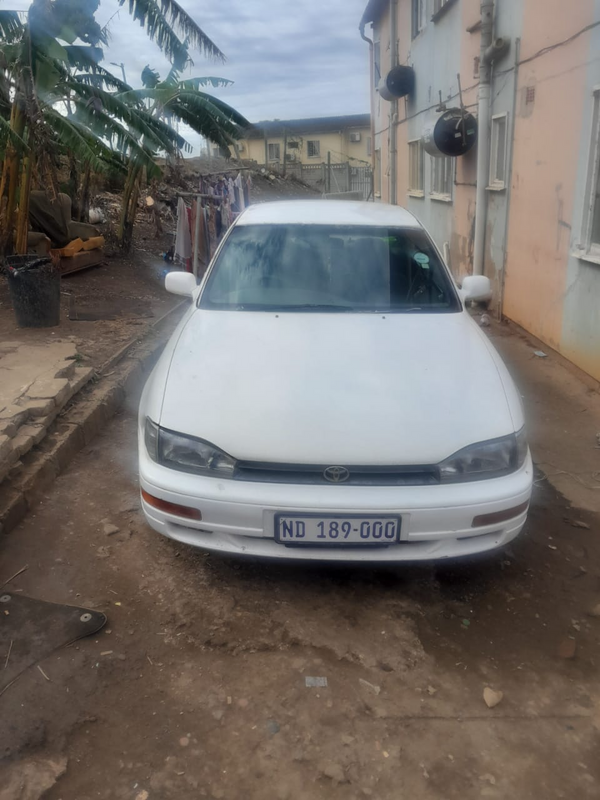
(328, 397)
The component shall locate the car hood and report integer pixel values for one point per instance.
(350, 389)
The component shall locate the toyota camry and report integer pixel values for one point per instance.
(327, 396)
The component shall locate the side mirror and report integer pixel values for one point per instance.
(183, 283)
(476, 288)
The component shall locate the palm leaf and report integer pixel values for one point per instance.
(138, 119)
(104, 126)
(11, 26)
(164, 20)
(196, 83)
(71, 136)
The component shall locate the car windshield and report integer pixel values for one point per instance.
(329, 268)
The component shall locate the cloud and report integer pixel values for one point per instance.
(287, 60)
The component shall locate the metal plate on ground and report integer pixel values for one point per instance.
(31, 629)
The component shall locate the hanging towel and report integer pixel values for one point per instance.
(239, 185)
(183, 240)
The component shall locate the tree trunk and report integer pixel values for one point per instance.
(73, 185)
(129, 207)
(84, 197)
(10, 180)
(23, 214)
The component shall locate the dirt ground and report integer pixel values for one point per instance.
(125, 294)
(197, 685)
(105, 307)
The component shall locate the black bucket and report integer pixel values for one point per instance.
(34, 285)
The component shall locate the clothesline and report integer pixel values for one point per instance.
(201, 225)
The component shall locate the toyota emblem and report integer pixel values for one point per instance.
(336, 474)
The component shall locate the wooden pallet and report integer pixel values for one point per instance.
(81, 260)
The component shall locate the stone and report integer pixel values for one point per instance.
(37, 431)
(38, 407)
(31, 778)
(14, 414)
(369, 686)
(22, 443)
(110, 529)
(595, 611)
(491, 697)
(333, 771)
(81, 376)
(7, 428)
(184, 741)
(57, 389)
(6, 446)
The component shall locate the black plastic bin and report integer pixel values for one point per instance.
(34, 285)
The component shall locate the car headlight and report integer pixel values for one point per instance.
(490, 459)
(186, 453)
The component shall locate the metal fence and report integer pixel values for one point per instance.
(335, 178)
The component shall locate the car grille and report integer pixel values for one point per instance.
(359, 475)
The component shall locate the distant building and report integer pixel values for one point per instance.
(522, 206)
(343, 139)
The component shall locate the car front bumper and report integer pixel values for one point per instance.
(238, 516)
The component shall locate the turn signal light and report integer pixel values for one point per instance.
(171, 508)
(499, 516)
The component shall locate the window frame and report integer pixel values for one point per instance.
(274, 145)
(418, 17)
(376, 63)
(439, 8)
(443, 197)
(418, 191)
(313, 142)
(494, 184)
(588, 249)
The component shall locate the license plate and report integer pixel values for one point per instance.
(335, 531)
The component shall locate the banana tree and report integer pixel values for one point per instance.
(54, 98)
(183, 101)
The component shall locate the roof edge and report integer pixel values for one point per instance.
(372, 12)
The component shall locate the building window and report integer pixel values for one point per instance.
(313, 148)
(439, 4)
(442, 172)
(415, 168)
(369, 146)
(418, 16)
(498, 152)
(274, 152)
(591, 220)
(376, 63)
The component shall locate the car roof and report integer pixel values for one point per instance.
(328, 212)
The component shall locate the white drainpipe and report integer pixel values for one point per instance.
(394, 103)
(483, 133)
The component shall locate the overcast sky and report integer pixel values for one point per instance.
(288, 59)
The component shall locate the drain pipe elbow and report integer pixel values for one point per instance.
(499, 48)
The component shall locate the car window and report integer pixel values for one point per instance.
(328, 267)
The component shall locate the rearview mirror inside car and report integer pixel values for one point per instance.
(476, 288)
(183, 283)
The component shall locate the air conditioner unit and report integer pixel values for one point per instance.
(355, 137)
